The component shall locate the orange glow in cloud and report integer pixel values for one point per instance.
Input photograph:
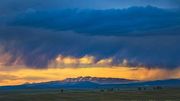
(68, 67)
(72, 60)
(85, 61)
(33, 75)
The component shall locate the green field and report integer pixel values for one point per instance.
(90, 95)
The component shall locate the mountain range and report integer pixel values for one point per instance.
(99, 80)
(94, 83)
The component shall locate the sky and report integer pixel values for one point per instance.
(45, 40)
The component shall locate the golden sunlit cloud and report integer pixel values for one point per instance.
(68, 67)
(86, 61)
(42, 75)
(61, 61)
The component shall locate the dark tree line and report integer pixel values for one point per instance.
(145, 88)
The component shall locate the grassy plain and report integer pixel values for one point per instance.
(170, 94)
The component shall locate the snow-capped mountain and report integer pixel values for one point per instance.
(99, 80)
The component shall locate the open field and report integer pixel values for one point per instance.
(90, 95)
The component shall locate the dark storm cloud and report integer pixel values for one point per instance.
(36, 47)
(134, 21)
(14, 6)
(33, 33)
(176, 3)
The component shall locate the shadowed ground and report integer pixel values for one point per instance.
(90, 95)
